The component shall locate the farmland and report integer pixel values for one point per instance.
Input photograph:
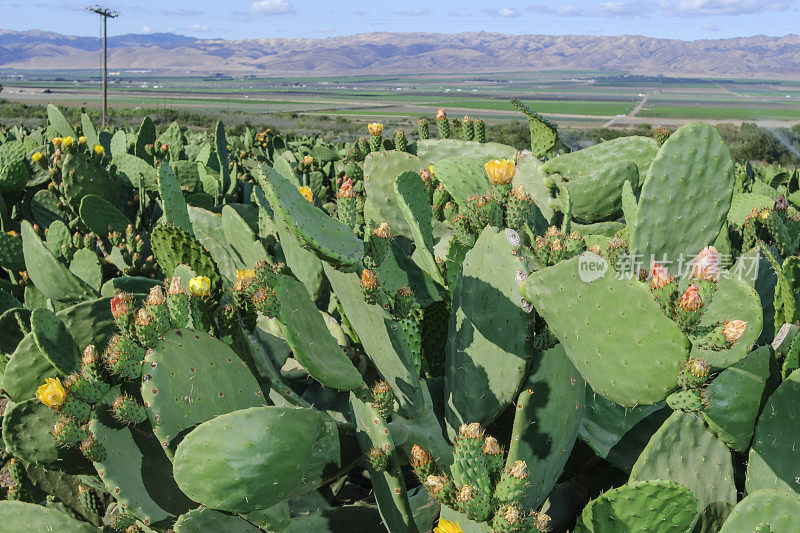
(569, 98)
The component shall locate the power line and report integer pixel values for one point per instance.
(106, 14)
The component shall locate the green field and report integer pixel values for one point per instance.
(577, 98)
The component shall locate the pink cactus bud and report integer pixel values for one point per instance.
(659, 276)
(440, 114)
(691, 301)
(706, 264)
(120, 305)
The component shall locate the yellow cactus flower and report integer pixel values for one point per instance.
(98, 149)
(200, 286)
(81, 140)
(56, 141)
(308, 160)
(12, 233)
(37, 157)
(375, 128)
(446, 526)
(245, 274)
(307, 193)
(500, 171)
(52, 393)
(66, 142)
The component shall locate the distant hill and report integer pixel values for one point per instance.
(405, 53)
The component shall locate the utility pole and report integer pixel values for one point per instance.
(106, 14)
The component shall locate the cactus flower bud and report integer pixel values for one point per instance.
(491, 446)
(519, 470)
(52, 393)
(346, 190)
(440, 114)
(706, 264)
(175, 287)
(698, 367)
(156, 296)
(659, 276)
(308, 160)
(435, 483)
(369, 286)
(120, 305)
(466, 493)
(307, 193)
(690, 301)
(419, 457)
(472, 431)
(81, 140)
(90, 356)
(200, 286)
(500, 171)
(375, 128)
(733, 330)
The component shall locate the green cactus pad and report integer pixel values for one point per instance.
(776, 508)
(11, 256)
(636, 149)
(327, 237)
(619, 434)
(27, 428)
(310, 340)
(773, 460)
(172, 246)
(412, 198)
(88, 323)
(684, 451)
(242, 239)
(61, 124)
(48, 274)
(734, 399)
(398, 270)
(272, 443)
(82, 176)
(734, 299)
(204, 520)
(685, 196)
(657, 506)
(174, 204)
(742, 204)
(55, 341)
(462, 177)
(381, 169)
(20, 516)
(136, 471)
(433, 150)
(191, 377)
(382, 339)
(530, 175)
(101, 216)
(615, 334)
(546, 422)
(45, 208)
(135, 170)
(597, 195)
(484, 365)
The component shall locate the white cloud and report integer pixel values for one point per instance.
(504, 12)
(417, 12)
(271, 7)
(198, 27)
(598, 29)
(622, 9)
(147, 29)
(722, 7)
(561, 11)
(709, 27)
(182, 12)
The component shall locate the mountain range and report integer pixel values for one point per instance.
(407, 53)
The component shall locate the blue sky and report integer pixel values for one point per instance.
(239, 19)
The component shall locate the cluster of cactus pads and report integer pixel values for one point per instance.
(212, 332)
